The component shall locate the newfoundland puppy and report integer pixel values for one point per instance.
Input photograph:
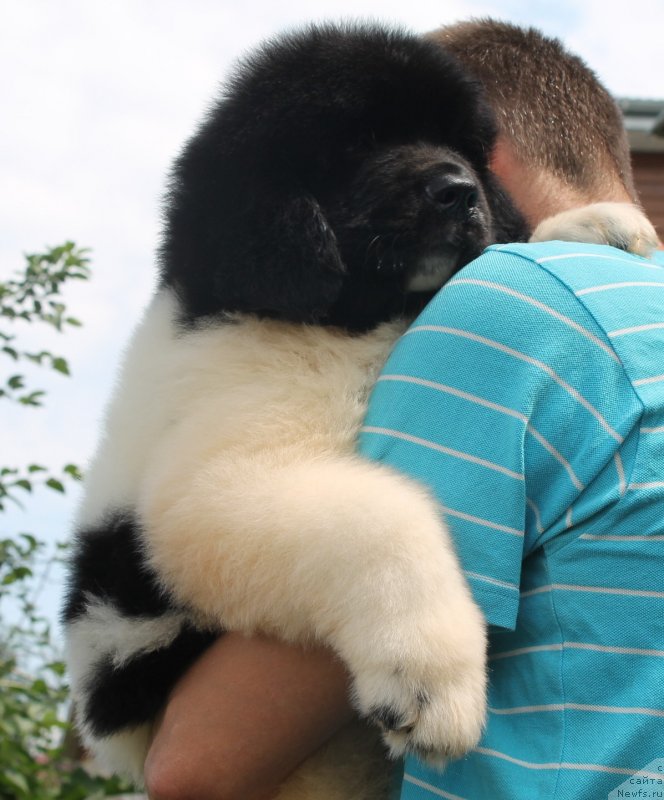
(333, 187)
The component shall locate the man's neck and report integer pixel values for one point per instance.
(539, 194)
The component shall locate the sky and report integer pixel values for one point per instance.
(96, 99)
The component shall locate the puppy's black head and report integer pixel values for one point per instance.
(340, 178)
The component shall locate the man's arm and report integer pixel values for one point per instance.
(243, 717)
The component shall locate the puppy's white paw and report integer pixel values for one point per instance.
(427, 692)
(620, 225)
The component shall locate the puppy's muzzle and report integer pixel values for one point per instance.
(456, 198)
(456, 195)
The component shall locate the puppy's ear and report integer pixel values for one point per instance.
(249, 247)
(296, 262)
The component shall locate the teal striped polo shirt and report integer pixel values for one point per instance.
(529, 395)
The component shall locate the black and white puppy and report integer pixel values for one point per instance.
(341, 178)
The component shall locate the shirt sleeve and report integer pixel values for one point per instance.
(501, 397)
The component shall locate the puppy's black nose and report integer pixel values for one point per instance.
(453, 193)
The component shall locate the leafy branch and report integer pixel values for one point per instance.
(34, 763)
(13, 479)
(34, 296)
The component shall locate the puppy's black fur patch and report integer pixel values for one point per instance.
(134, 693)
(323, 144)
(108, 564)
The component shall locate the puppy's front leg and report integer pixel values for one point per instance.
(621, 225)
(341, 551)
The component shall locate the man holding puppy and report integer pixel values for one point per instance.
(529, 396)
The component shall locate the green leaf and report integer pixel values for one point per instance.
(16, 382)
(17, 780)
(61, 365)
(57, 667)
(32, 399)
(39, 686)
(17, 574)
(74, 472)
(55, 484)
(37, 358)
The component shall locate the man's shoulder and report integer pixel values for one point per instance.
(559, 272)
(542, 272)
(575, 264)
(528, 296)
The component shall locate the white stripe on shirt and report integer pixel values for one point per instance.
(558, 456)
(440, 387)
(547, 309)
(608, 537)
(607, 286)
(653, 379)
(623, 260)
(567, 765)
(599, 648)
(488, 579)
(598, 589)
(646, 712)
(438, 792)
(484, 522)
(620, 469)
(635, 329)
(528, 359)
(536, 512)
(442, 449)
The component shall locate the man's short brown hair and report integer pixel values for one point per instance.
(549, 103)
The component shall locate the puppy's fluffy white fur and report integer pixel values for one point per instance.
(258, 515)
